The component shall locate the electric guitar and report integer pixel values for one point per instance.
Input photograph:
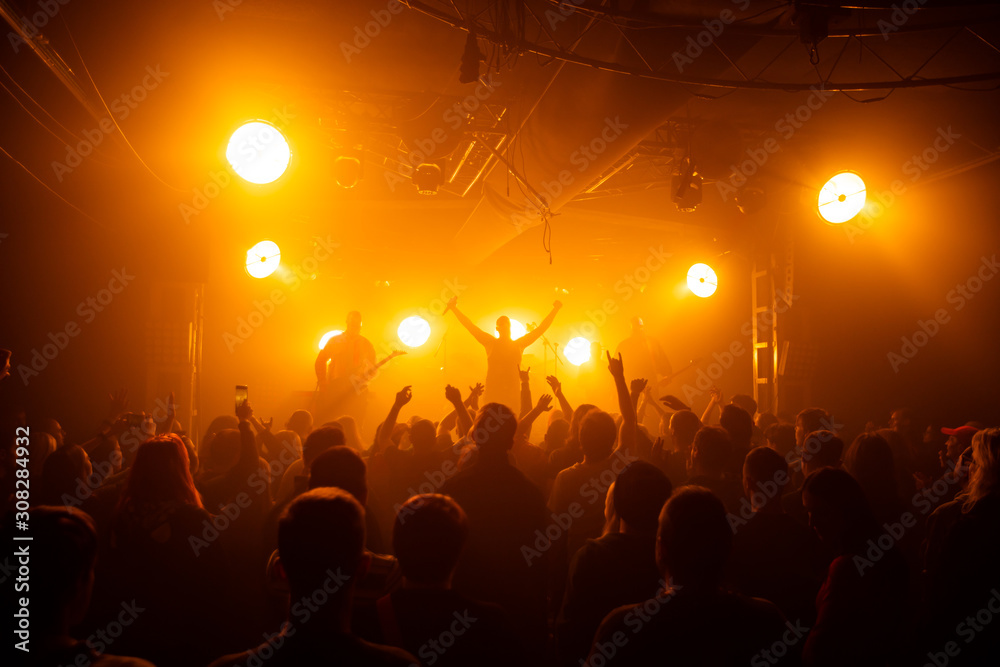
(339, 389)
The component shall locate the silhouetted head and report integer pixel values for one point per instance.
(780, 438)
(739, 424)
(427, 537)
(64, 550)
(711, 451)
(320, 440)
(683, 426)
(746, 402)
(869, 460)
(301, 422)
(423, 436)
(638, 495)
(160, 474)
(901, 420)
(353, 322)
(343, 468)
(637, 324)
(503, 326)
(765, 475)
(352, 434)
(321, 538)
(63, 472)
(555, 435)
(838, 510)
(597, 436)
(984, 473)
(694, 539)
(821, 449)
(55, 429)
(493, 431)
(809, 420)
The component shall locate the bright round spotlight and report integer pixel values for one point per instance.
(702, 280)
(577, 351)
(263, 259)
(414, 331)
(327, 336)
(842, 197)
(258, 152)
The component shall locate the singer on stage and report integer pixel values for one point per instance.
(351, 360)
(503, 355)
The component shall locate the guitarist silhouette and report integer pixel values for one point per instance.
(343, 370)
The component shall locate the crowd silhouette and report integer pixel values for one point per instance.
(639, 534)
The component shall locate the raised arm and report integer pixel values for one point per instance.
(525, 392)
(477, 333)
(530, 337)
(454, 396)
(626, 439)
(714, 402)
(525, 422)
(557, 391)
(403, 397)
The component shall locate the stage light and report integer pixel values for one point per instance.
(414, 331)
(347, 171)
(471, 56)
(577, 351)
(258, 152)
(702, 280)
(327, 336)
(428, 178)
(842, 197)
(685, 188)
(263, 259)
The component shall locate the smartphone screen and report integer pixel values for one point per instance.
(241, 394)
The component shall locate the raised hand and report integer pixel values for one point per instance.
(118, 403)
(523, 374)
(403, 396)
(615, 365)
(638, 385)
(453, 394)
(544, 403)
(452, 301)
(477, 390)
(244, 411)
(715, 395)
(557, 304)
(555, 384)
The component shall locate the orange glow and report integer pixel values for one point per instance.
(842, 197)
(701, 280)
(258, 152)
(263, 259)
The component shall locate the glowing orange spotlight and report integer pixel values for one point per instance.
(258, 152)
(842, 197)
(701, 280)
(263, 259)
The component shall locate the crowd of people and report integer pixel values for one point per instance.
(637, 534)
